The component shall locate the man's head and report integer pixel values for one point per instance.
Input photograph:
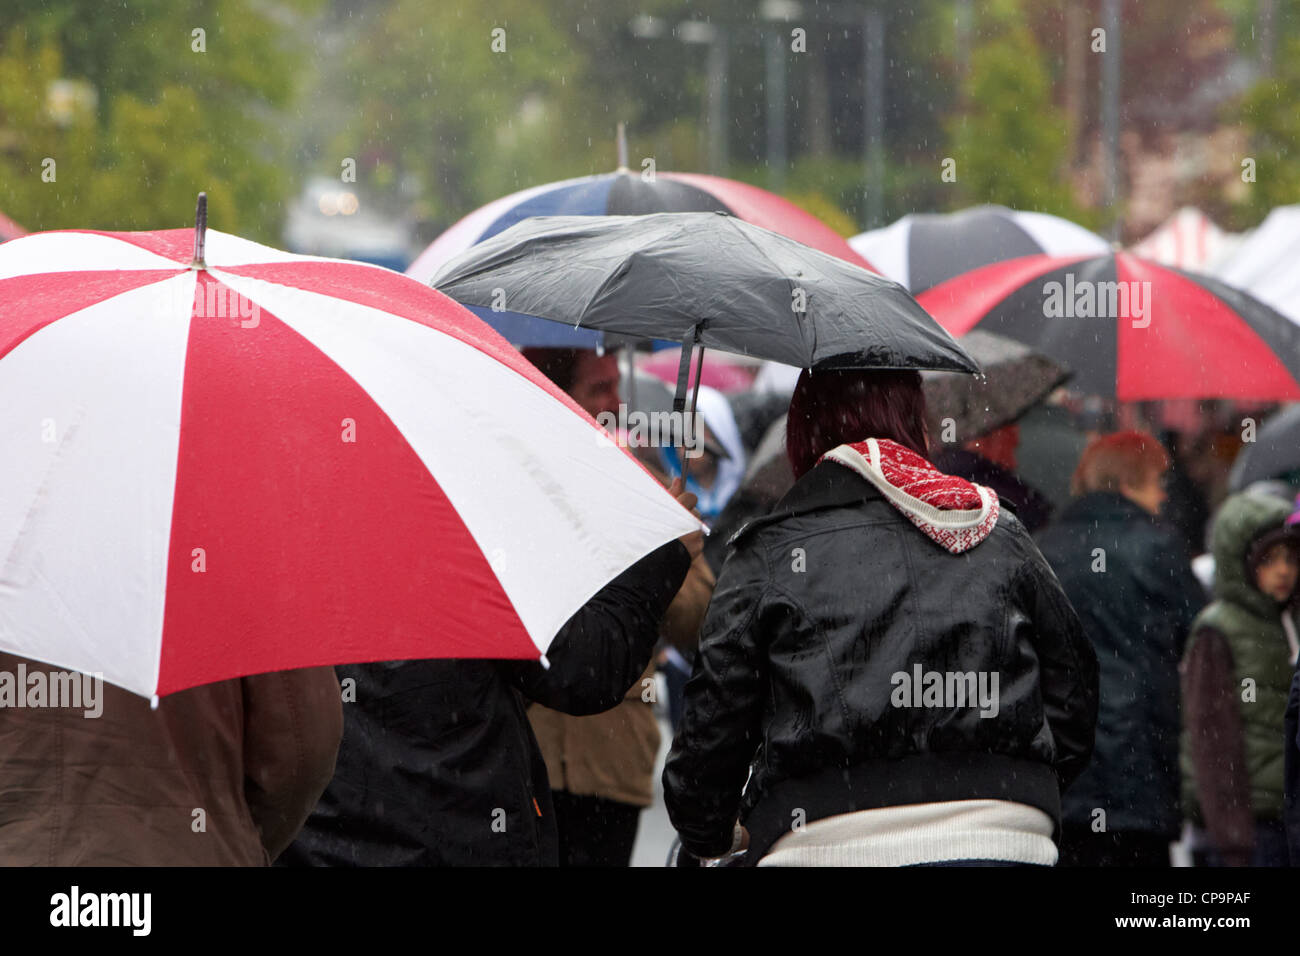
(591, 380)
(1131, 464)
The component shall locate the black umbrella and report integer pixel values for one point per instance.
(1015, 379)
(1275, 453)
(702, 279)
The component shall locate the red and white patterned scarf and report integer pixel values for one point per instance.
(953, 512)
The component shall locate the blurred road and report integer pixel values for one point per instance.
(654, 835)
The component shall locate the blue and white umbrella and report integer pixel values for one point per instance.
(620, 193)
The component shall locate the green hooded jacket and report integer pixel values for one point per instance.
(1251, 622)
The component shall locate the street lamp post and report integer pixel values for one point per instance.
(872, 23)
(715, 95)
(1110, 79)
(718, 120)
(776, 153)
(873, 69)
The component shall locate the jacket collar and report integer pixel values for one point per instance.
(826, 485)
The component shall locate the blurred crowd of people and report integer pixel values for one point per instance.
(1137, 700)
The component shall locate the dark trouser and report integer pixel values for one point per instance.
(594, 831)
(1270, 847)
(1080, 846)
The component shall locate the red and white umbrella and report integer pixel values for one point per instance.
(275, 461)
(1188, 239)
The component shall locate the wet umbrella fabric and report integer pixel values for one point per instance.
(1130, 328)
(702, 278)
(1015, 378)
(626, 193)
(1263, 262)
(621, 193)
(269, 461)
(922, 250)
(1274, 454)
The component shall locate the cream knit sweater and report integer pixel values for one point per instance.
(921, 833)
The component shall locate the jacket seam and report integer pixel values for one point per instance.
(826, 647)
(1076, 690)
(731, 652)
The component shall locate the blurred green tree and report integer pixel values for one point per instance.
(484, 114)
(1269, 113)
(142, 106)
(1010, 141)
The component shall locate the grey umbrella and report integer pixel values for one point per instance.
(1275, 453)
(704, 279)
(1016, 377)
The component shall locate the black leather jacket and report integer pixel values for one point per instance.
(817, 609)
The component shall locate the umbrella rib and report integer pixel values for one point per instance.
(604, 284)
(789, 282)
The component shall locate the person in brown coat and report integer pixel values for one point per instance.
(219, 775)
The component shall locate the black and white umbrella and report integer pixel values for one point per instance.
(924, 249)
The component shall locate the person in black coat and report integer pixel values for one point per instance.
(889, 672)
(438, 764)
(1127, 574)
(1291, 771)
(1291, 730)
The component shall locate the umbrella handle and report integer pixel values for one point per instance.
(679, 397)
(684, 371)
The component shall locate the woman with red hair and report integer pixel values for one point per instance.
(889, 670)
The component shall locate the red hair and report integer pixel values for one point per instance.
(832, 407)
(1122, 458)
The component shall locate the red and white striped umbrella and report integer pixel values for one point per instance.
(275, 461)
(1190, 240)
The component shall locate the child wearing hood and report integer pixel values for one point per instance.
(1236, 675)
